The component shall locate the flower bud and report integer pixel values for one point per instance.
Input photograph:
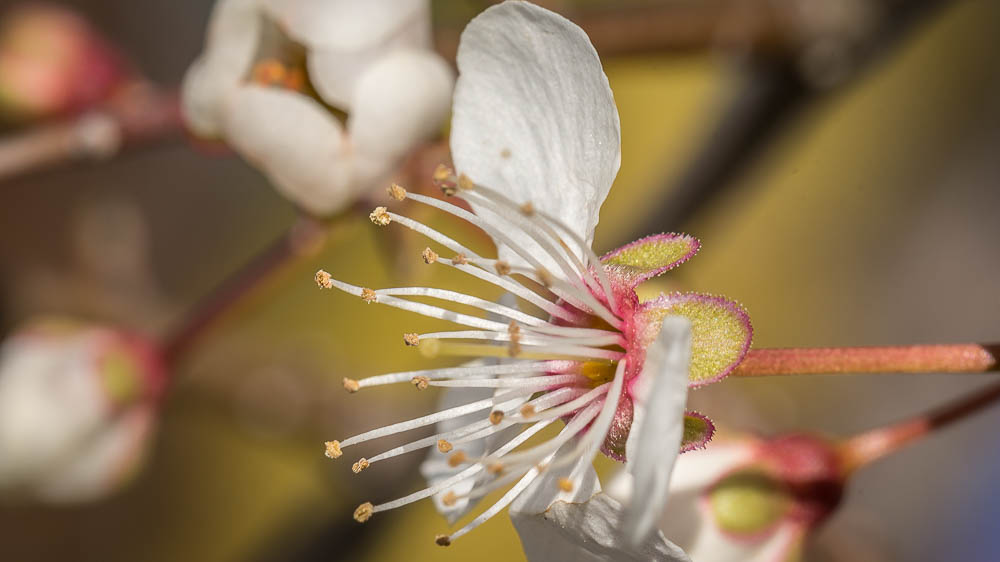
(77, 406)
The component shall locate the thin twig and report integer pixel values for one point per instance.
(869, 446)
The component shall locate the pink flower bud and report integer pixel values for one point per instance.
(52, 62)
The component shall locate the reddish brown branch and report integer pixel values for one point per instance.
(954, 358)
(867, 447)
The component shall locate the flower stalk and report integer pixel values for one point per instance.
(946, 358)
(301, 239)
(865, 448)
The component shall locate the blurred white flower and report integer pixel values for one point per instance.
(371, 59)
(745, 499)
(77, 405)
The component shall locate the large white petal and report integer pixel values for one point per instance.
(230, 46)
(534, 116)
(347, 25)
(658, 425)
(584, 532)
(296, 142)
(402, 100)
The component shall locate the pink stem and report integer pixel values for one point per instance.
(952, 358)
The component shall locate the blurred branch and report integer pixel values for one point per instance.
(778, 79)
(303, 238)
(139, 113)
(870, 446)
(955, 358)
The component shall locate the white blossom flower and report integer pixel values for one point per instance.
(746, 499)
(370, 59)
(536, 139)
(77, 405)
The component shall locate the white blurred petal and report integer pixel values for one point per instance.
(230, 46)
(534, 116)
(402, 100)
(584, 532)
(658, 426)
(780, 544)
(347, 25)
(335, 71)
(295, 141)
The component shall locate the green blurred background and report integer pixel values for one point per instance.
(869, 218)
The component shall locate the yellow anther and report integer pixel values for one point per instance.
(527, 410)
(505, 153)
(442, 173)
(360, 465)
(444, 178)
(411, 339)
(496, 416)
(459, 259)
(527, 209)
(541, 467)
(449, 498)
(495, 468)
(429, 255)
(420, 382)
(442, 540)
(368, 295)
(502, 267)
(565, 484)
(351, 385)
(545, 277)
(323, 279)
(364, 512)
(465, 183)
(457, 458)
(380, 216)
(397, 192)
(268, 72)
(444, 446)
(333, 449)
(514, 346)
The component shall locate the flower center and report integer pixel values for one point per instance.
(570, 357)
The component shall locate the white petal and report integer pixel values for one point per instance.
(347, 25)
(694, 474)
(296, 142)
(534, 116)
(107, 458)
(655, 438)
(588, 531)
(335, 72)
(230, 46)
(402, 100)
(545, 490)
(779, 544)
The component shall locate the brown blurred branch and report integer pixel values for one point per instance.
(138, 113)
(872, 445)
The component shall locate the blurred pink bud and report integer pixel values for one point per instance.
(52, 62)
(78, 404)
(748, 499)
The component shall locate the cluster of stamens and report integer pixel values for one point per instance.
(541, 365)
